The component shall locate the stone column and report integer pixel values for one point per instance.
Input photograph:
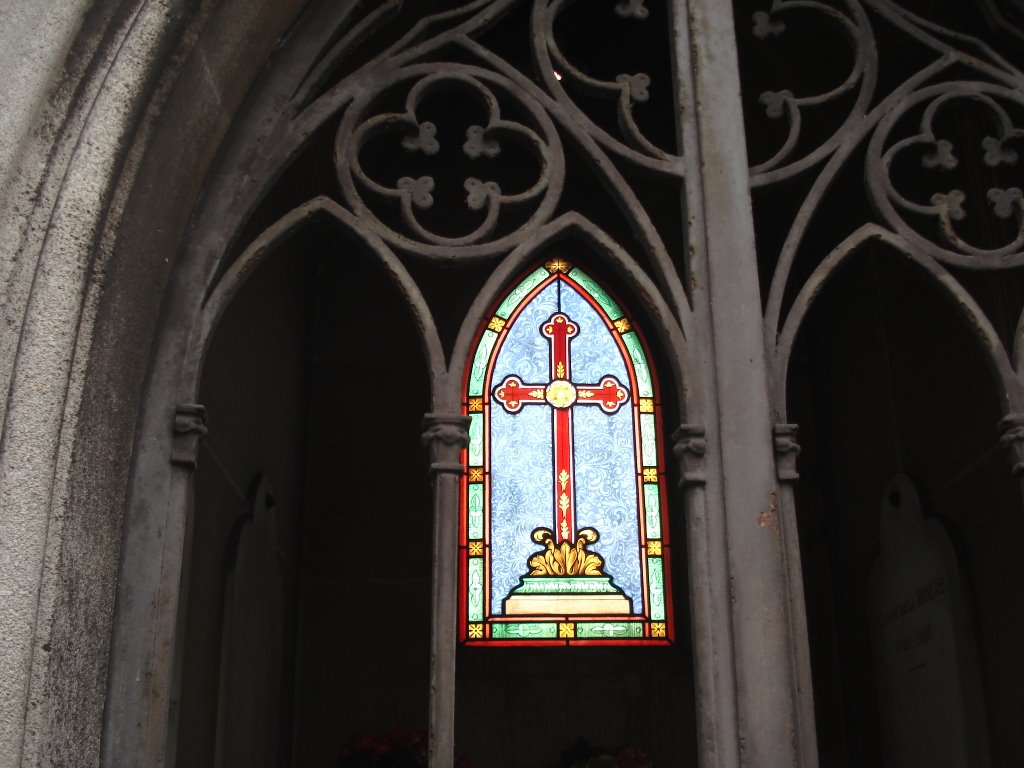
(444, 437)
(709, 603)
(786, 450)
(139, 721)
(190, 424)
(742, 490)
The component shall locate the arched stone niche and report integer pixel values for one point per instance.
(116, 116)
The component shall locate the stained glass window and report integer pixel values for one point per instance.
(563, 526)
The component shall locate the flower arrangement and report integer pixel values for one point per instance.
(583, 755)
(397, 748)
(407, 748)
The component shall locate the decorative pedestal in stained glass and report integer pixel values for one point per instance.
(567, 596)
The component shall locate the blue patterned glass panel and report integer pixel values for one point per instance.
(521, 493)
(521, 461)
(525, 353)
(606, 495)
(599, 293)
(510, 489)
(511, 301)
(593, 351)
(521, 450)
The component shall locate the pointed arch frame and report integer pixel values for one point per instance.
(204, 285)
(1000, 364)
(653, 623)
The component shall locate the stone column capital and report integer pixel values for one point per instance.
(1011, 435)
(189, 426)
(786, 451)
(444, 436)
(689, 446)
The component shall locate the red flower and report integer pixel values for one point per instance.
(632, 757)
(397, 748)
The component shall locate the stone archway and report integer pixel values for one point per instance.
(95, 454)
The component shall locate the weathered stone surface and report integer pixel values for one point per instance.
(112, 114)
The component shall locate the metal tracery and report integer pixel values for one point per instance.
(939, 148)
(477, 135)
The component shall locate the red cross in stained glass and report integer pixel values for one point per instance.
(562, 395)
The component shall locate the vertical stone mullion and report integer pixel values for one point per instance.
(717, 724)
(444, 437)
(786, 450)
(742, 487)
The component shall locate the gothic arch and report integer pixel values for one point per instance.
(264, 246)
(646, 294)
(969, 312)
(292, 111)
(858, 162)
(858, 359)
(153, 118)
(123, 116)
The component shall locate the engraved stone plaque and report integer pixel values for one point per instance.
(930, 702)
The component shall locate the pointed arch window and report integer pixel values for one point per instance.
(563, 526)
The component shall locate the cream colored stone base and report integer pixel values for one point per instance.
(568, 605)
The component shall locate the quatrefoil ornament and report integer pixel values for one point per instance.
(472, 158)
(580, 85)
(958, 170)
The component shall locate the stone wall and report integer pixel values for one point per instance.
(113, 112)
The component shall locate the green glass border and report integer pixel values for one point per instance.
(632, 629)
(648, 440)
(508, 306)
(480, 359)
(609, 630)
(475, 589)
(652, 510)
(597, 293)
(656, 589)
(527, 630)
(643, 372)
(475, 510)
(475, 452)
